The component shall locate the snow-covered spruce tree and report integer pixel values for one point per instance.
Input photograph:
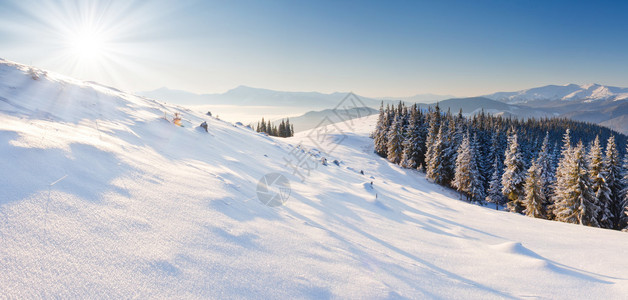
(613, 172)
(513, 178)
(434, 121)
(623, 220)
(576, 201)
(423, 129)
(412, 156)
(395, 140)
(484, 156)
(534, 200)
(494, 193)
(589, 206)
(462, 177)
(450, 147)
(436, 167)
(546, 174)
(457, 130)
(289, 130)
(420, 130)
(282, 129)
(406, 157)
(597, 174)
(380, 134)
(555, 158)
(496, 151)
(545, 162)
(478, 191)
(562, 170)
(262, 127)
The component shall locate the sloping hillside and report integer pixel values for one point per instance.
(102, 197)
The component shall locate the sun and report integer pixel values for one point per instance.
(87, 43)
(92, 40)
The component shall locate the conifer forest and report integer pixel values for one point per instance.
(551, 168)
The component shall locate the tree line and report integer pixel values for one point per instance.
(284, 129)
(551, 168)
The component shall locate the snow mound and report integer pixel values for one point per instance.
(515, 248)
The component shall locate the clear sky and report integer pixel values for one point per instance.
(384, 48)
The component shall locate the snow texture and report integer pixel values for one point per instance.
(102, 197)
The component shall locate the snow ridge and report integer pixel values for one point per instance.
(568, 92)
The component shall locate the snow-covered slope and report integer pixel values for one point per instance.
(101, 197)
(566, 92)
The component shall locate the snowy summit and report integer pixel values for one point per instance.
(568, 92)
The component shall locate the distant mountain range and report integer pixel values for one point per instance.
(314, 119)
(244, 95)
(568, 92)
(249, 96)
(420, 98)
(604, 105)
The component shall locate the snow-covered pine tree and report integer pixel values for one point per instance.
(282, 129)
(562, 170)
(395, 140)
(405, 161)
(546, 175)
(435, 169)
(494, 194)
(484, 156)
(555, 158)
(289, 129)
(544, 161)
(597, 174)
(420, 129)
(380, 134)
(623, 220)
(613, 171)
(496, 151)
(434, 121)
(423, 128)
(449, 149)
(534, 200)
(457, 129)
(478, 191)
(576, 201)
(590, 208)
(412, 156)
(462, 177)
(513, 178)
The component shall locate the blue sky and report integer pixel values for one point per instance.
(387, 48)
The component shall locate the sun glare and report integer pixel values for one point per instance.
(87, 44)
(92, 40)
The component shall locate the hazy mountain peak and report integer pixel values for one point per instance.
(567, 92)
(590, 85)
